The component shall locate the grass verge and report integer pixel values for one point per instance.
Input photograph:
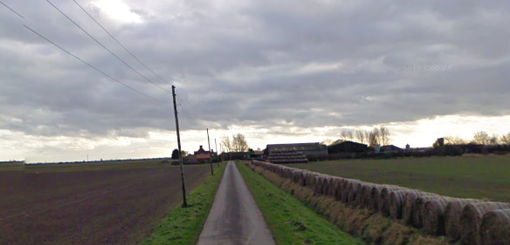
(182, 226)
(288, 219)
(367, 225)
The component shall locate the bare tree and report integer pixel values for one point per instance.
(384, 135)
(225, 142)
(344, 135)
(505, 139)
(494, 139)
(360, 136)
(481, 137)
(349, 135)
(327, 142)
(373, 137)
(454, 140)
(239, 143)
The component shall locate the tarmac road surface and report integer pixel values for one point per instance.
(234, 218)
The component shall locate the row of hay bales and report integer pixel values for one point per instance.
(469, 221)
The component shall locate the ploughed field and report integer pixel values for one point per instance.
(482, 177)
(98, 203)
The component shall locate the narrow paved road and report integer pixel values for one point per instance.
(235, 218)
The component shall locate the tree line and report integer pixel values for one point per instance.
(377, 136)
(480, 138)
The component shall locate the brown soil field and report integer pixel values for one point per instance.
(109, 206)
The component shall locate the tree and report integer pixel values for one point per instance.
(225, 142)
(481, 138)
(349, 135)
(327, 142)
(494, 139)
(373, 137)
(384, 135)
(175, 154)
(239, 143)
(505, 139)
(360, 136)
(454, 140)
(344, 135)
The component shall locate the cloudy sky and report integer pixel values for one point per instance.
(276, 71)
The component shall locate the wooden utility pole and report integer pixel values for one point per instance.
(216, 150)
(210, 160)
(184, 203)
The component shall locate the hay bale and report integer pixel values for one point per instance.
(409, 209)
(366, 191)
(310, 180)
(383, 201)
(471, 219)
(335, 182)
(433, 216)
(396, 203)
(345, 190)
(495, 228)
(419, 207)
(375, 192)
(452, 217)
(326, 185)
(318, 184)
(353, 197)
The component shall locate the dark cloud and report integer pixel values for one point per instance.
(262, 64)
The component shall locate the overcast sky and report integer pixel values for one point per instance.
(276, 71)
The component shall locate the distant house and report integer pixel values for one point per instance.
(347, 147)
(307, 149)
(202, 155)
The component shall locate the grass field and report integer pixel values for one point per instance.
(107, 203)
(464, 176)
(289, 220)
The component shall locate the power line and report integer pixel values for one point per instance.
(88, 64)
(14, 11)
(130, 67)
(118, 42)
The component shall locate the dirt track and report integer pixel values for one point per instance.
(89, 207)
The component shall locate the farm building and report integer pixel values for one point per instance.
(390, 149)
(347, 147)
(307, 149)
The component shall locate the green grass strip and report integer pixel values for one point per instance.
(288, 219)
(182, 226)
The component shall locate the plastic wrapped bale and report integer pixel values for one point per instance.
(434, 216)
(471, 218)
(495, 228)
(396, 203)
(452, 217)
(384, 199)
(409, 209)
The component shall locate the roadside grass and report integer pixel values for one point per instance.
(182, 226)
(288, 219)
(482, 177)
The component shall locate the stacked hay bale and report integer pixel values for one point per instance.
(433, 216)
(453, 212)
(495, 228)
(409, 208)
(419, 208)
(366, 191)
(375, 192)
(471, 219)
(396, 202)
(384, 198)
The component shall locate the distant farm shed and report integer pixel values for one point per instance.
(347, 147)
(307, 149)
